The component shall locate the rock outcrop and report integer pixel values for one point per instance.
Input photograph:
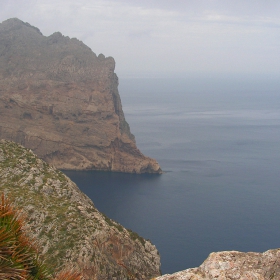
(231, 265)
(61, 100)
(70, 230)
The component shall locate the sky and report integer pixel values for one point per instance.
(163, 38)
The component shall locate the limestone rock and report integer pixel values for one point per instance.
(231, 265)
(69, 229)
(61, 100)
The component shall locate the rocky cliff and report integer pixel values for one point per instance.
(61, 100)
(70, 230)
(231, 265)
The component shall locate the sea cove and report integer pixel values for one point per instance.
(217, 139)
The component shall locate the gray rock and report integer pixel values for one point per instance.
(231, 265)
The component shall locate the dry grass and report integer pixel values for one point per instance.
(18, 255)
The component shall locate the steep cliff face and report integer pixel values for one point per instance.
(70, 230)
(230, 265)
(61, 100)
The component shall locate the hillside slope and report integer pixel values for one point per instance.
(71, 231)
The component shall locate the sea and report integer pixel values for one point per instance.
(217, 139)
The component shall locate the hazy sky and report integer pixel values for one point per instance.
(165, 37)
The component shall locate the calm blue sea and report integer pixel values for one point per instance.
(217, 139)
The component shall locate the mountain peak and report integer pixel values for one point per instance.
(15, 23)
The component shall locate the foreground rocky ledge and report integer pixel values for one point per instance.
(231, 265)
(70, 230)
(61, 100)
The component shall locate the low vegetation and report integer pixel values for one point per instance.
(19, 259)
(68, 229)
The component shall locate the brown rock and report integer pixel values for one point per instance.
(61, 100)
(231, 265)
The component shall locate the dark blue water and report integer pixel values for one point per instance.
(218, 141)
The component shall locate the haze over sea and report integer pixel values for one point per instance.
(217, 139)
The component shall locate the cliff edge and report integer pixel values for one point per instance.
(61, 100)
(229, 265)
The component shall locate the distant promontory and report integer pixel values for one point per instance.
(61, 100)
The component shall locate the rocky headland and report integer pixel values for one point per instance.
(70, 231)
(61, 100)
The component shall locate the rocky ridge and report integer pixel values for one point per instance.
(70, 230)
(61, 100)
(229, 265)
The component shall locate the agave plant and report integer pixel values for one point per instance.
(19, 258)
(68, 275)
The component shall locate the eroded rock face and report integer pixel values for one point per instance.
(231, 265)
(61, 100)
(70, 231)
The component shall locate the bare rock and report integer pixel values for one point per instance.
(61, 100)
(231, 265)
